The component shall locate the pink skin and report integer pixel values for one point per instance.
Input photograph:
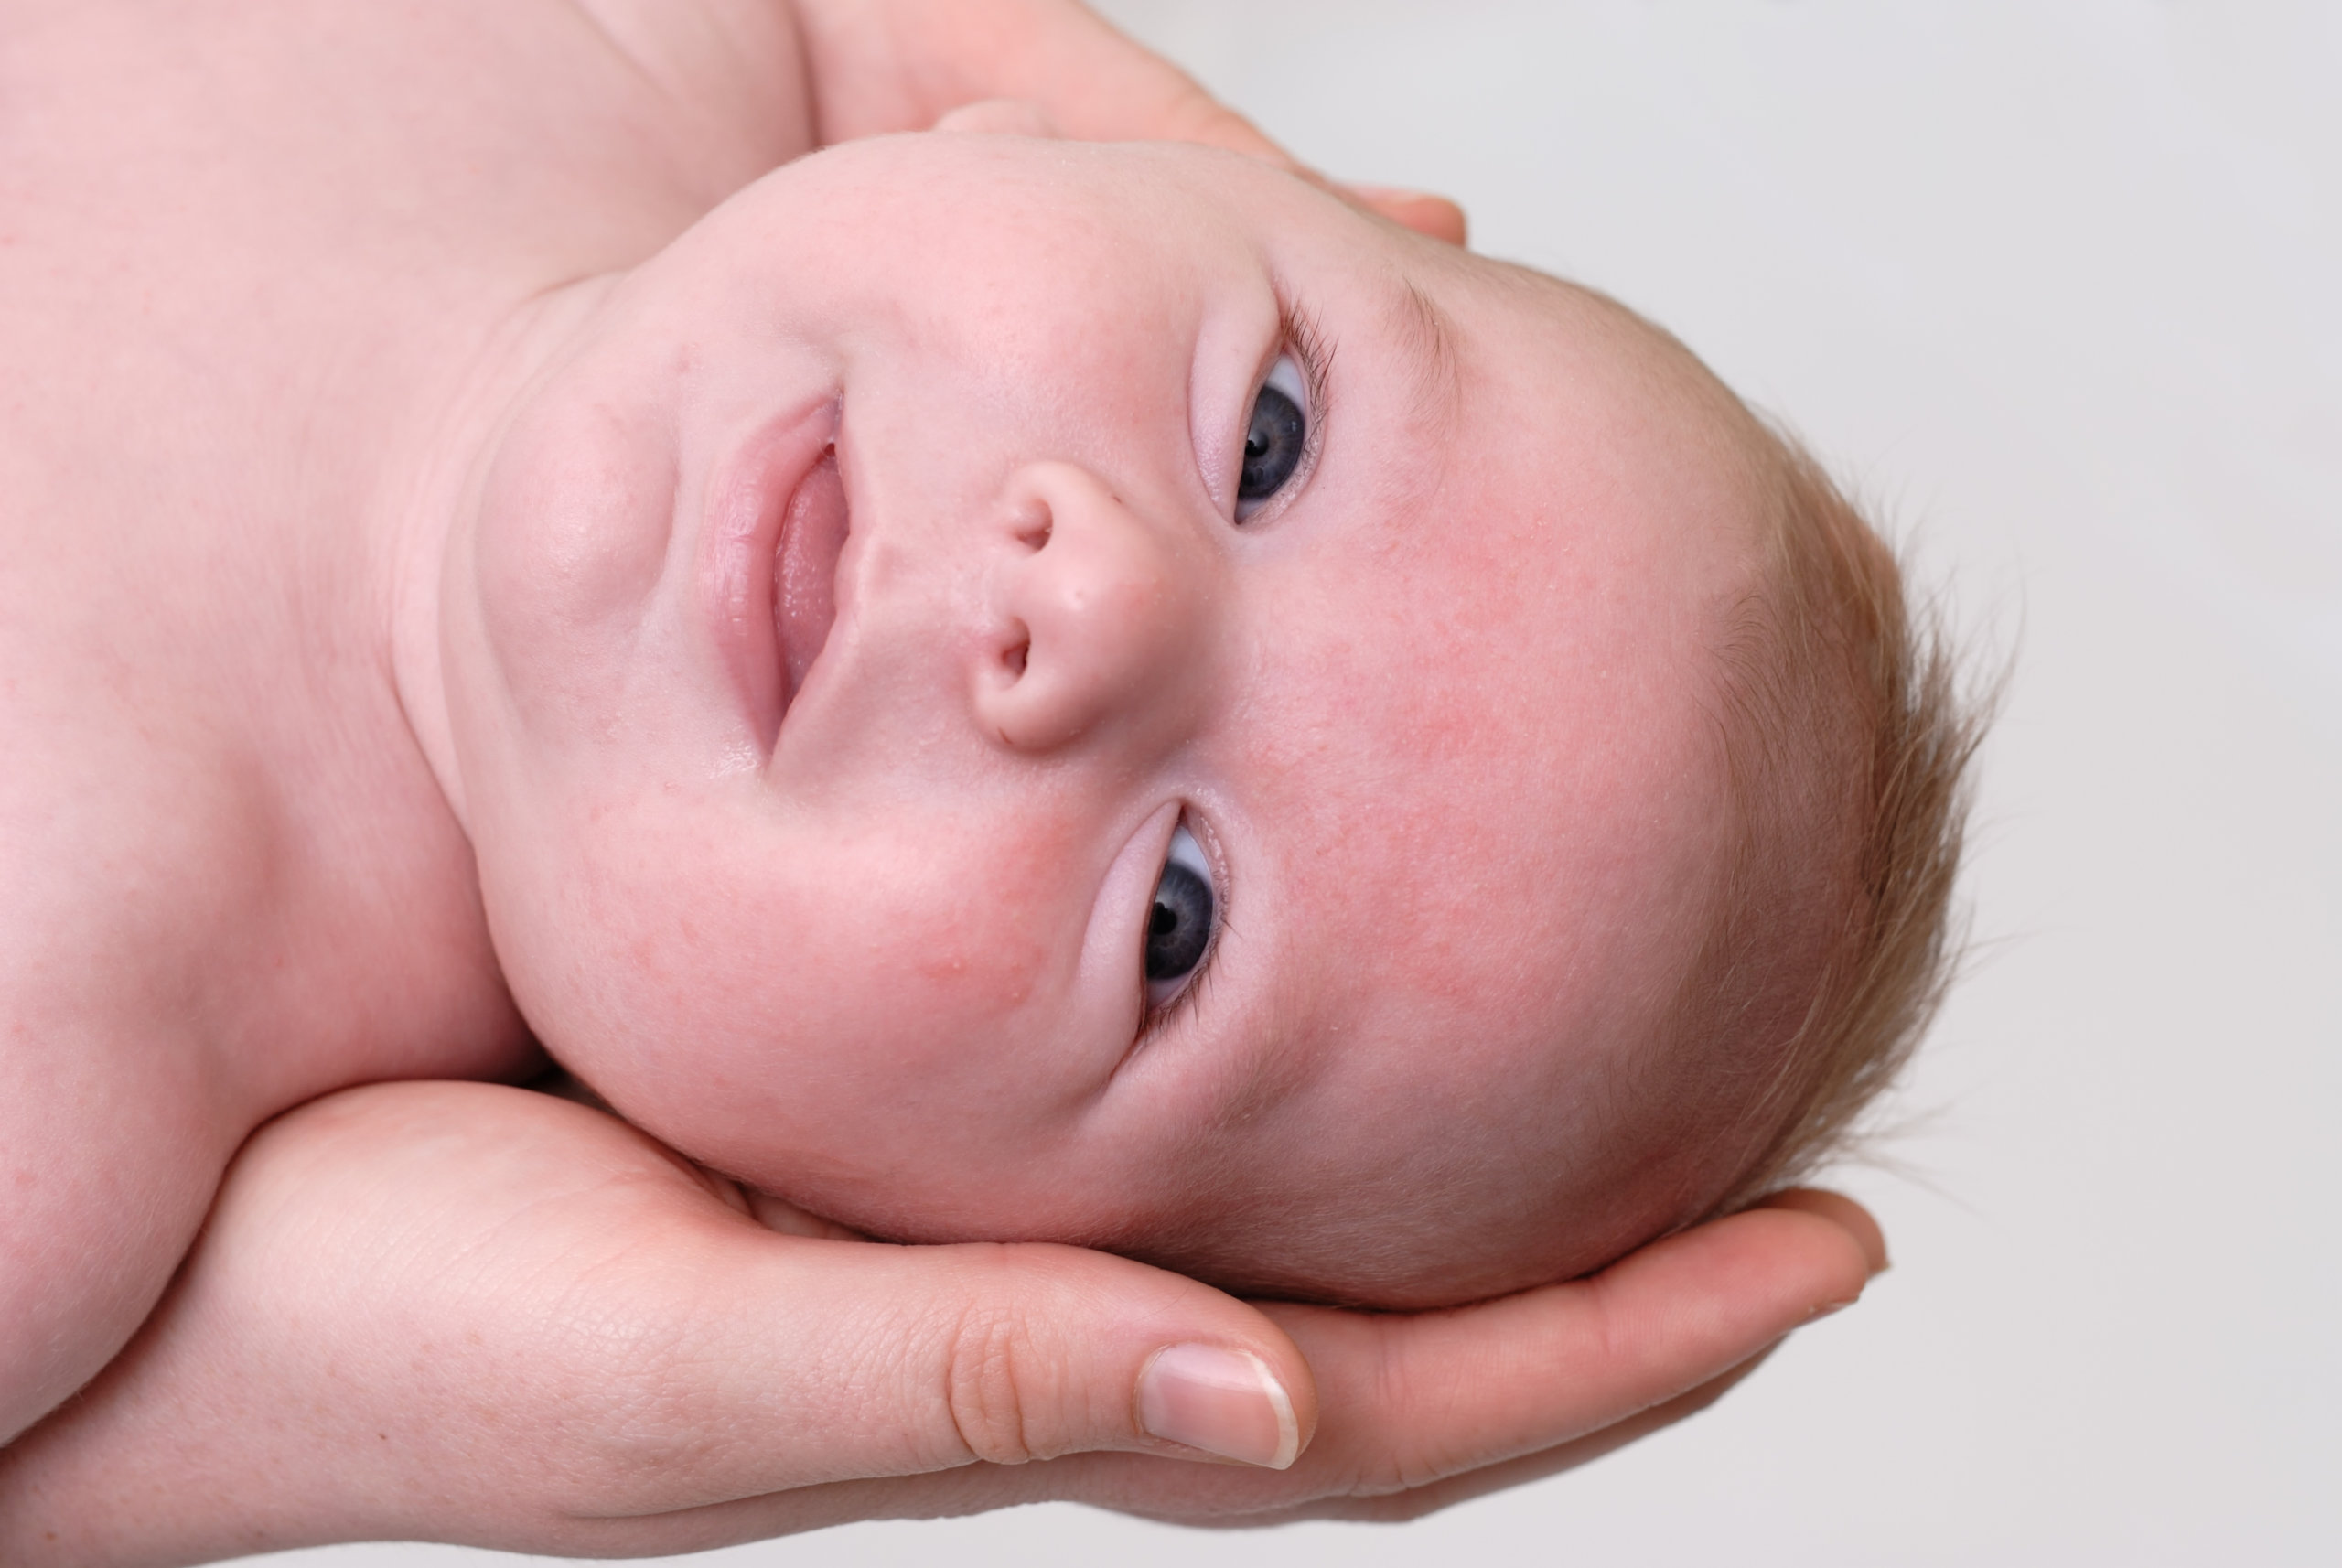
(872, 942)
(275, 278)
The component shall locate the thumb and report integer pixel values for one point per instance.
(999, 117)
(473, 1313)
(821, 1360)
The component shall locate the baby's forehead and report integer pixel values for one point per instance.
(1486, 734)
(1482, 771)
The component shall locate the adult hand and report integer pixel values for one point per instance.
(903, 65)
(469, 1313)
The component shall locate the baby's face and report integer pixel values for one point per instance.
(856, 624)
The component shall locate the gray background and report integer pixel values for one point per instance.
(2055, 287)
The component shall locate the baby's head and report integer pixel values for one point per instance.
(924, 762)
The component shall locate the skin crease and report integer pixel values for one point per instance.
(1438, 707)
(274, 276)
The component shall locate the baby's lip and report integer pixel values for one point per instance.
(805, 570)
(768, 564)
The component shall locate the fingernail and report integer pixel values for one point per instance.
(1394, 193)
(1223, 1401)
(1829, 1307)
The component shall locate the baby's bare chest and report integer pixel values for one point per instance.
(235, 235)
(238, 241)
(158, 160)
(233, 238)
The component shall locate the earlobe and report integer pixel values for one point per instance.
(999, 117)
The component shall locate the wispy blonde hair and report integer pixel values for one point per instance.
(1848, 735)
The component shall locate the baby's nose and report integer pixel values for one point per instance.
(1100, 615)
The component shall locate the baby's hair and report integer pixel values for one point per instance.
(1823, 944)
(1830, 659)
(1846, 733)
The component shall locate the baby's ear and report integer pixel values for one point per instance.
(999, 117)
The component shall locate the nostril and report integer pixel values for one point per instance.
(1033, 528)
(1013, 659)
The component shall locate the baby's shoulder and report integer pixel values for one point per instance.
(731, 74)
(490, 116)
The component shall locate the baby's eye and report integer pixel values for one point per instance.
(1276, 439)
(1178, 929)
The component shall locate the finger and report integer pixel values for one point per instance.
(781, 1215)
(984, 1377)
(748, 1362)
(1150, 1487)
(462, 1311)
(1097, 85)
(1840, 1210)
(898, 1360)
(1177, 110)
(1435, 216)
(1424, 1405)
(1418, 1412)
(1411, 1401)
(902, 65)
(1400, 1507)
(998, 117)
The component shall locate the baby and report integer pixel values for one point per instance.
(1004, 689)
(986, 686)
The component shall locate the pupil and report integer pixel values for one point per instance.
(1179, 926)
(1271, 446)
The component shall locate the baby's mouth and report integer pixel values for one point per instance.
(805, 571)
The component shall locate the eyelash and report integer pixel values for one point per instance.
(1313, 351)
(1300, 335)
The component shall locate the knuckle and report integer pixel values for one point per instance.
(1380, 1480)
(985, 1387)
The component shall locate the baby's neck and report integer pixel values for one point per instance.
(384, 801)
(422, 501)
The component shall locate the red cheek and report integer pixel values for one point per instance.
(984, 952)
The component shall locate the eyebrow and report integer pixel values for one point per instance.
(1428, 340)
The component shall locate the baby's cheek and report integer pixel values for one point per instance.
(971, 962)
(829, 1009)
(569, 543)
